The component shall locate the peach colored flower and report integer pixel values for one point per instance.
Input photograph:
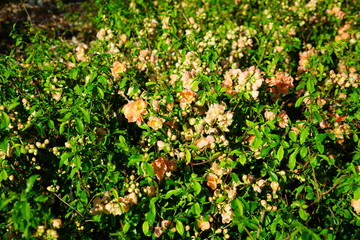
(131, 199)
(101, 34)
(117, 68)
(151, 191)
(274, 186)
(155, 122)
(212, 181)
(269, 115)
(203, 225)
(214, 112)
(80, 53)
(166, 224)
(161, 165)
(337, 12)
(56, 223)
(116, 207)
(134, 110)
(356, 205)
(158, 231)
(186, 98)
(280, 84)
(323, 124)
(304, 59)
(284, 119)
(173, 79)
(227, 214)
(204, 142)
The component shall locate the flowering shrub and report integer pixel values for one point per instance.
(185, 119)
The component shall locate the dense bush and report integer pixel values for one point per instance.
(185, 119)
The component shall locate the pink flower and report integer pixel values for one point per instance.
(117, 68)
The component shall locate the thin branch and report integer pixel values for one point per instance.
(247, 231)
(262, 218)
(27, 13)
(67, 204)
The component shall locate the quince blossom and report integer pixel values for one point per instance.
(134, 110)
(117, 68)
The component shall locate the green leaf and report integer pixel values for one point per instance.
(66, 117)
(292, 160)
(280, 153)
(25, 210)
(79, 126)
(196, 208)
(100, 93)
(85, 114)
(242, 159)
(357, 193)
(304, 134)
(303, 152)
(187, 155)
(258, 139)
(238, 207)
(303, 214)
(310, 85)
(173, 192)
(4, 120)
(320, 137)
(51, 124)
(64, 157)
(146, 228)
(41, 198)
(62, 127)
(126, 227)
(292, 136)
(320, 147)
(3, 175)
(196, 187)
(77, 161)
(180, 227)
(30, 183)
(151, 214)
(74, 72)
(169, 99)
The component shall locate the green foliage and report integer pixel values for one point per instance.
(189, 119)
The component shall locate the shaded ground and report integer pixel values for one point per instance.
(53, 16)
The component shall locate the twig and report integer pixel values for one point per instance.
(27, 13)
(247, 231)
(67, 204)
(316, 185)
(322, 194)
(262, 217)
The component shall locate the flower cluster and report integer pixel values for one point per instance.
(116, 206)
(249, 80)
(217, 115)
